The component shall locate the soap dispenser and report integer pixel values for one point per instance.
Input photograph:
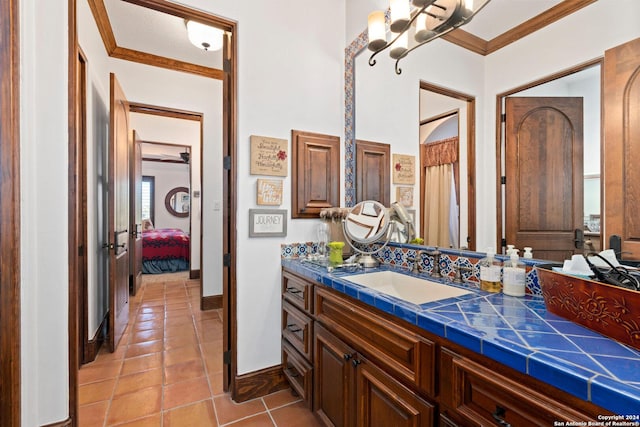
(490, 272)
(514, 276)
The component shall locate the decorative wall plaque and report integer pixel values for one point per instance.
(269, 192)
(269, 156)
(404, 169)
(404, 196)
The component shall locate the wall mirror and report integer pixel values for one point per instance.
(177, 202)
(366, 223)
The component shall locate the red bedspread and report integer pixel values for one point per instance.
(165, 244)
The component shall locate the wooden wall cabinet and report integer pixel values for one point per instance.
(315, 182)
(373, 165)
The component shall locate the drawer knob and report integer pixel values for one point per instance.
(355, 362)
(293, 290)
(293, 328)
(347, 356)
(498, 415)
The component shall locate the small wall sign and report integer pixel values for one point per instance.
(269, 192)
(404, 169)
(404, 196)
(269, 156)
(267, 222)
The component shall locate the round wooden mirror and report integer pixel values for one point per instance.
(177, 202)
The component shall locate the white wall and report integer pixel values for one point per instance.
(167, 177)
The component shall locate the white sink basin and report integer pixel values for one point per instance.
(407, 288)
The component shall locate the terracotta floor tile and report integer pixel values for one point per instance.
(130, 383)
(294, 415)
(213, 363)
(260, 420)
(208, 335)
(181, 355)
(229, 411)
(148, 325)
(141, 348)
(92, 415)
(215, 383)
(206, 315)
(183, 312)
(151, 421)
(142, 363)
(145, 317)
(178, 321)
(183, 371)
(176, 304)
(197, 415)
(129, 407)
(96, 392)
(104, 355)
(185, 329)
(151, 309)
(152, 303)
(280, 398)
(180, 341)
(98, 371)
(142, 336)
(186, 392)
(212, 347)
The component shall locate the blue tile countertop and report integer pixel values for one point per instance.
(517, 332)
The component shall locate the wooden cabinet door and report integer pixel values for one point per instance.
(544, 164)
(373, 171)
(334, 392)
(316, 173)
(622, 146)
(383, 401)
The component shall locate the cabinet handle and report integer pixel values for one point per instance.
(355, 362)
(292, 327)
(347, 356)
(293, 290)
(293, 373)
(498, 415)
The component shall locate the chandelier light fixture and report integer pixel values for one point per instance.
(428, 20)
(204, 36)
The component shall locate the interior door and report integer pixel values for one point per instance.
(621, 149)
(118, 202)
(544, 175)
(135, 202)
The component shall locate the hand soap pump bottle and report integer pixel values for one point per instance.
(513, 276)
(490, 272)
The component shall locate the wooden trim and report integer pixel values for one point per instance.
(187, 13)
(10, 325)
(471, 157)
(438, 117)
(549, 16)
(259, 383)
(93, 345)
(195, 274)
(137, 107)
(499, 134)
(101, 17)
(66, 423)
(150, 159)
(164, 62)
(210, 302)
(485, 47)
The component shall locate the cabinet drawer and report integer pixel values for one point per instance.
(298, 291)
(297, 328)
(299, 373)
(480, 396)
(397, 349)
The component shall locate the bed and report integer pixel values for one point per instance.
(165, 250)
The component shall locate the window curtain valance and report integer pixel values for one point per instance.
(441, 152)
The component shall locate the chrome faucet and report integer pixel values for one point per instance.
(435, 271)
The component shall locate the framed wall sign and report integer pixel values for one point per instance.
(404, 169)
(269, 192)
(267, 222)
(269, 156)
(404, 196)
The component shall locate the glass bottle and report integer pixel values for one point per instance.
(323, 238)
(490, 272)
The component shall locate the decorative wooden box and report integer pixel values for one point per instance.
(607, 309)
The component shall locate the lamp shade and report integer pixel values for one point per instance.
(376, 30)
(204, 36)
(400, 14)
(399, 47)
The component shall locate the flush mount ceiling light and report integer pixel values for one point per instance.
(204, 36)
(428, 20)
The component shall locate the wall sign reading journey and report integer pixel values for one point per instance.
(267, 222)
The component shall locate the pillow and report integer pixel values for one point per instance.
(147, 224)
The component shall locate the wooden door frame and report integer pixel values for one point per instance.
(471, 157)
(10, 325)
(500, 134)
(229, 77)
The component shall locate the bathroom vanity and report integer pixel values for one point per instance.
(360, 354)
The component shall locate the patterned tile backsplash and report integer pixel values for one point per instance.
(401, 255)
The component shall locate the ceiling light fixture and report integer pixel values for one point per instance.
(428, 20)
(204, 36)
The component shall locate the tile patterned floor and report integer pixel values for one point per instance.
(167, 370)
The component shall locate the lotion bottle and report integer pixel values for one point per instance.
(490, 272)
(514, 276)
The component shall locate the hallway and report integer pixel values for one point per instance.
(167, 371)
